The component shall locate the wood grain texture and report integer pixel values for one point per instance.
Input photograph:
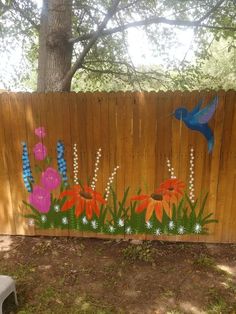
(135, 131)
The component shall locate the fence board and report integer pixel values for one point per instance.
(15, 132)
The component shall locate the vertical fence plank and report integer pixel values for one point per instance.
(78, 129)
(163, 136)
(7, 219)
(137, 148)
(92, 124)
(15, 134)
(121, 125)
(215, 161)
(227, 182)
(112, 130)
(55, 117)
(32, 121)
(78, 137)
(107, 166)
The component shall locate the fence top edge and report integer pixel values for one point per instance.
(125, 93)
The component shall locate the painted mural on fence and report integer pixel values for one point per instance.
(55, 201)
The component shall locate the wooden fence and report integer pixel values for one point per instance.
(136, 132)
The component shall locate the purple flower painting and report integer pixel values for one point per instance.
(50, 179)
(40, 199)
(40, 132)
(40, 151)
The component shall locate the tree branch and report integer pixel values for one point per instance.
(112, 62)
(92, 41)
(110, 71)
(105, 71)
(24, 15)
(149, 21)
(127, 6)
(99, 61)
(205, 16)
(4, 8)
(146, 75)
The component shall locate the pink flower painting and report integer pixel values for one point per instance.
(40, 132)
(40, 151)
(40, 199)
(50, 179)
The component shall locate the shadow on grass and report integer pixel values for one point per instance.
(71, 275)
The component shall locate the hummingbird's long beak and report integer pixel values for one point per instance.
(169, 115)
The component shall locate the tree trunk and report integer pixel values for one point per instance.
(55, 52)
(42, 48)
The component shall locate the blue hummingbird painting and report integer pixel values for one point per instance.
(197, 119)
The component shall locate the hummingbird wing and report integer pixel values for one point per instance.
(205, 114)
(197, 108)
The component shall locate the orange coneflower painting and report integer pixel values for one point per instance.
(154, 202)
(172, 190)
(83, 199)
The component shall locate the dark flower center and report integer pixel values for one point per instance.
(156, 197)
(171, 189)
(85, 195)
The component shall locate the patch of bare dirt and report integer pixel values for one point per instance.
(72, 275)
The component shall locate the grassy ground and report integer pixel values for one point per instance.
(60, 275)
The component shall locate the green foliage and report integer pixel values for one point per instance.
(205, 261)
(108, 65)
(218, 304)
(144, 252)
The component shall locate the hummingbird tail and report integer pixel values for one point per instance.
(207, 132)
(210, 144)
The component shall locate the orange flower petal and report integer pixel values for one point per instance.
(174, 198)
(71, 192)
(82, 202)
(78, 209)
(158, 211)
(166, 207)
(150, 210)
(167, 197)
(88, 209)
(99, 198)
(68, 204)
(88, 189)
(179, 191)
(141, 207)
(139, 197)
(171, 198)
(67, 193)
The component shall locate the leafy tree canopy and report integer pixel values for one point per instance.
(107, 63)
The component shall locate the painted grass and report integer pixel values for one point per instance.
(119, 217)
